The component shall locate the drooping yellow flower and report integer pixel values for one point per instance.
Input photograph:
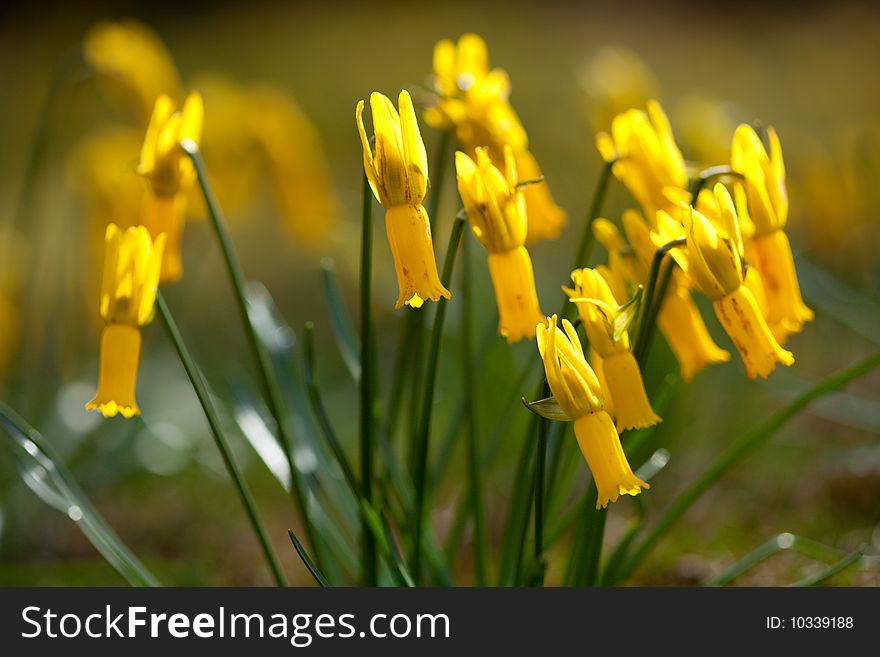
(647, 159)
(128, 292)
(713, 260)
(577, 390)
(295, 163)
(397, 169)
(496, 211)
(679, 319)
(473, 103)
(596, 307)
(134, 65)
(763, 198)
(170, 174)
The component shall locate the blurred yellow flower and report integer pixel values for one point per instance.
(597, 307)
(170, 174)
(713, 260)
(128, 292)
(496, 211)
(295, 163)
(579, 395)
(679, 319)
(646, 157)
(614, 80)
(134, 65)
(763, 198)
(472, 101)
(396, 166)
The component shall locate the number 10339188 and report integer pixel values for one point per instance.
(810, 623)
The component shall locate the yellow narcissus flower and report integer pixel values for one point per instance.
(134, 65)
(496, 211)
(170, 174)
(473, 103)
(397, 169)
(679, 319)
(713, 260)
(764, 197)
(128, 291)
(646, 157)
(579, 395)
(596, 307)
(296, 165)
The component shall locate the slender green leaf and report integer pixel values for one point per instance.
(831, 571)
(340, 320)
(307, 560)
(738, 450)
(44, 472)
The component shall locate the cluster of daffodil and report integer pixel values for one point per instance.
(729, 246)
(472, 101)
(140, 258)
(254, 132)
(736, 253)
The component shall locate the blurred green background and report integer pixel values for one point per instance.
(808, 71)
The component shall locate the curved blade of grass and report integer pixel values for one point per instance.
(307, 560)
(739, 449)
(774, 545)
(44, 472)
(340, 320)
(831, 571)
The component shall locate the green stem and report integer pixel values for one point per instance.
(648, 298)
(414, 322)
(653, 311)
(321, 412)
(520, 506)
(540, 469)
(738, 450)
(368, 554)
(424, 433)
(267, 376)
(470, 416)
(201, 390)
